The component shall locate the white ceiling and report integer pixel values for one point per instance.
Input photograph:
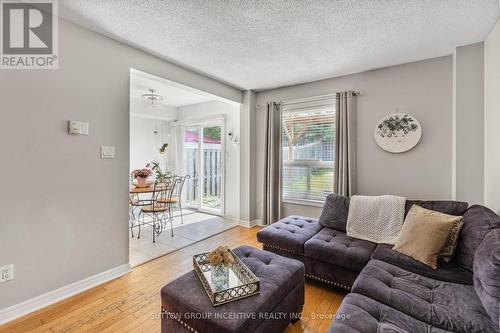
(174, 95)
(265, 44)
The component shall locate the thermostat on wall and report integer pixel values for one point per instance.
(78, 127)
(107, 152)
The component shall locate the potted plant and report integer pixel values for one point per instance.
(163, 147)
(141, 176)
(160, 175)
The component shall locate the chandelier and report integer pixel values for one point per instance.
(152, 96)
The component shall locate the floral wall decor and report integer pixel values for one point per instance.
(398, 132)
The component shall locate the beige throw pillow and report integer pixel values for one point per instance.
(424, 234)
(451, 243)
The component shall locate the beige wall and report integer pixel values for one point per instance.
(144, 143)
(469, 123)
(492, 119)
(423, 89)
(64, 210)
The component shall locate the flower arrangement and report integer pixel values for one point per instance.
(221, 256)
(397, 124)
(142, 173)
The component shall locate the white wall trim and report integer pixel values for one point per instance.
(36, 303)
(149, 116)
(249, 224)
(454, 130)
(199, 121)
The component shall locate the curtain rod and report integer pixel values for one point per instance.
(315, 98)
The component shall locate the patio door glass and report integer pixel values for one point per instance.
(192, 166)
(204, 162)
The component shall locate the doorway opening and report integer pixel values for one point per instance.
(178, 136)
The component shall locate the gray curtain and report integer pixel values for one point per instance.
(272, 176)
(345, 152)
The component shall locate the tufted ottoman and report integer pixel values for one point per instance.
(329, 255)
(186, 307)
(289, 234)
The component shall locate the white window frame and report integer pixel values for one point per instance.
(315, 103)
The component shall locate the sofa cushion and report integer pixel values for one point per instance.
(335, 212)
(360, 314)
(446, 271)
(290, 233)
(446, 305)
(457, 208)
(478, 221)
(487, 273)
(335, 247)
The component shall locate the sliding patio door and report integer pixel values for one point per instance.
(204, 163)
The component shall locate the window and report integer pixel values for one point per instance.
(308, 149)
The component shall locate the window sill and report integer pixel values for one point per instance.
(304, 202)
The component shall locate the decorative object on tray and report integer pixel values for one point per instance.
(141, 176)
(224, 276)
(398, 132)
(220, 260)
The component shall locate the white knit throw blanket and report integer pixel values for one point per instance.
(376, 218)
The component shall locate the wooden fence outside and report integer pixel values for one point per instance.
(212, 177)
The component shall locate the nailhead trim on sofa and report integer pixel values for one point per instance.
(329, 282)
(283, 250)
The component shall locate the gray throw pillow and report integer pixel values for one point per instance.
(335, 211)
(449, 207)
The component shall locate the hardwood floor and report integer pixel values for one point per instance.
(132, 302)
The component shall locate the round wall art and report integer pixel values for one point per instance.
(398, 133)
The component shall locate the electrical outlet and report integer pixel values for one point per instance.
(6, 273)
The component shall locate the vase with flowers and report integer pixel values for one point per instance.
(220, 260)
(142, 175)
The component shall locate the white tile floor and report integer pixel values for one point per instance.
(197, 226)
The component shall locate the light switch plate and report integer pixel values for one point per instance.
(78, 127)
(107, 152)
(73, 127)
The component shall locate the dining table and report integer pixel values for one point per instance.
(148, 189)
(139, 190)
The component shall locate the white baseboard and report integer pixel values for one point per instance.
(249, 224)
(36, 303)
(256, 222)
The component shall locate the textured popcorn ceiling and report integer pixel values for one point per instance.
(255, 44)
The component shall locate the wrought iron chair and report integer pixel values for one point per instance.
(132, 205)
(156, 208)
(176, 199)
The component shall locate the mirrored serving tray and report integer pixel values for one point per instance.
(225, 284)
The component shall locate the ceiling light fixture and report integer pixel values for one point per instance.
(152, 96)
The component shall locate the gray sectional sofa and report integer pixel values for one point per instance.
(391, 292)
